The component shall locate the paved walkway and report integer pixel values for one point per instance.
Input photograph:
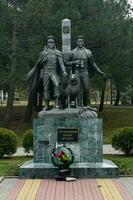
(82, 189)
(107, 149)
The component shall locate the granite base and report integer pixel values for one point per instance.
(88, 148)
(106, 169)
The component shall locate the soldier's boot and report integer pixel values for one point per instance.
(57, 103)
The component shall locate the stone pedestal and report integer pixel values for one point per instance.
(105, 169)
(87, 149)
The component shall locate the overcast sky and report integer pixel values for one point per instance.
(131, 2)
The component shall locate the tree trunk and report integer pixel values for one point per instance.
(101, 106)
(9, 107)
(11, 92)
(111, 92)
(117, 97)
(131, 101)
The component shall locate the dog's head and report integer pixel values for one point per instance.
(74, 80)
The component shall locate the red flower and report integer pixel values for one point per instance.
(59, 155)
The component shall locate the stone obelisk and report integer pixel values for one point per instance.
(66, 35)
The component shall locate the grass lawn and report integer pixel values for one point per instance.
(125, 164)
(9, 166)
(113, 117)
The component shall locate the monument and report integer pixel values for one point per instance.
(74, 123)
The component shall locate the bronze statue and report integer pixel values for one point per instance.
(45, 74)
(44, 77)
(72, 91)
(82, 61)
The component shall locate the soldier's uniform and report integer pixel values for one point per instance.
(87, 64)
(45, 71)
(51, 61)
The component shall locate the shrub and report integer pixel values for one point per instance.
(123, 140)
(8, 142)
(28, 141)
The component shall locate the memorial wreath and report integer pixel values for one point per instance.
(62, 156)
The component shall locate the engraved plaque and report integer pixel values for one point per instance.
(67, 134)
(66, 29)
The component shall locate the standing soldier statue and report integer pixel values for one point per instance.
(82, 61)
(45, 74)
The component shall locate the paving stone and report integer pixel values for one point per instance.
(81, 189)
(128, 183)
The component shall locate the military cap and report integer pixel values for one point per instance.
(80, 37)
(50, 37)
